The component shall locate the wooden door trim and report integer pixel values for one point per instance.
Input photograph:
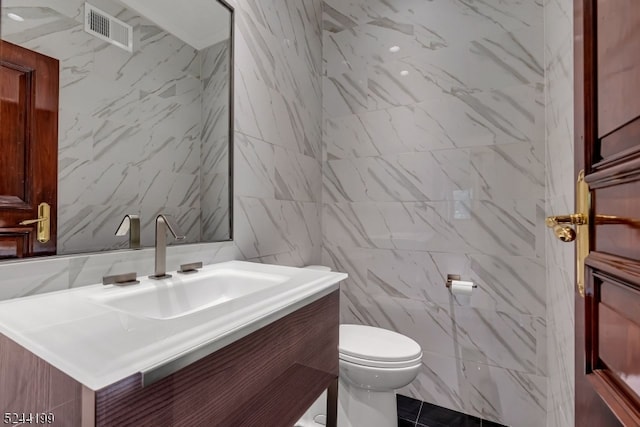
(623, 269)
(618, 158)
(617, 140)
(621, 404)
(618, 397)
(615, 174)
(585, 74)
(12, 202)
(17, 67)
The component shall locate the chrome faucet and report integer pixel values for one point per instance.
(164, 222)
(130, 224)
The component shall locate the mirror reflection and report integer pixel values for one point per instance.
(143, 122)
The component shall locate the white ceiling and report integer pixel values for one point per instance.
(199, 23)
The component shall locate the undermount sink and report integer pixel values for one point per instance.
(183, 295)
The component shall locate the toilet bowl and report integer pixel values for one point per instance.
(374, 362)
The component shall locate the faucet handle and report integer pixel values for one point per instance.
(190, 268)
(130, 224)
(121, 279)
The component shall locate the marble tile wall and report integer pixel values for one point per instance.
(277, 156)
(559, 198)
(278, 123)
(434, 163)
(129, 123)
(214, 162)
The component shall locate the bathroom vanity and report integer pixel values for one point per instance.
(236, 344)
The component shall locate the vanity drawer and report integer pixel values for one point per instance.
(256, 376)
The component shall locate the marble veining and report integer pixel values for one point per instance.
(559, 198)
(434, 163)
(214, 190)
(133, 126)
(438, 175)
(476, 122)
(508, 228)
(278, 66)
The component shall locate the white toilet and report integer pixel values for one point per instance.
(374, 362)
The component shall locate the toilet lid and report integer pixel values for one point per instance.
(372, 346)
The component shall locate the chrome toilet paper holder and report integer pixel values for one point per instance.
(452, 277)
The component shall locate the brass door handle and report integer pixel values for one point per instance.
(612, 219)
(32, 221)
(562, 228)
(574, 219)
(43, 221)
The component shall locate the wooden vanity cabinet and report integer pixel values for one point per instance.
(268, 378)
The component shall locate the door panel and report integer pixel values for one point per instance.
(620, 144)
(12, 244)
(618, 64)
(15, 95)
(619, 238)
(607, 142)
(619, 333)
(29, 145)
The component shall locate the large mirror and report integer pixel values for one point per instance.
(144, 120)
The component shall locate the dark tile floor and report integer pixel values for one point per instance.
(414, 413)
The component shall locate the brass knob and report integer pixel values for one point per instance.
(560, 228)
(564, 233)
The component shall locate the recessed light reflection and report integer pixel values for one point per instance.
(394, 49)
(404, 73)
(15, 17)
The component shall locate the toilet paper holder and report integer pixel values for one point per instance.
(452, 277)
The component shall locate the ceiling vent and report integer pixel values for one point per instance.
(108, 28)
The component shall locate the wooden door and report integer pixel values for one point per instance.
(607, 141)
(29, 151)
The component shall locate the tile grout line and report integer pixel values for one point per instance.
(419, 412)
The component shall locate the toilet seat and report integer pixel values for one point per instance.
(380, 364)
(376, 347)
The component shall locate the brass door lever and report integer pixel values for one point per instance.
(562, 228)
(580, 219)
(574, 219)
(32, 221)
(612, 219)
(43, 221)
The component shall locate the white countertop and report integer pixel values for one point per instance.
(98, 345)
